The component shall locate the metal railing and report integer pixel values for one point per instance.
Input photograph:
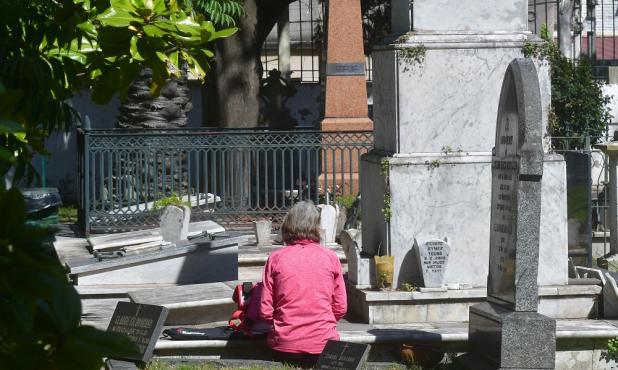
(232, 177)
(592, 29)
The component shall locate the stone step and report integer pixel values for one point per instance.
(199, 260)
(252, 255)
(394, 307)
(191, 304)
(386, 340)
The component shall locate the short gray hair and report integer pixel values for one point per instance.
(301, 222)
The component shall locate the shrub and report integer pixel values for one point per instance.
(171, 200)
(578, 106)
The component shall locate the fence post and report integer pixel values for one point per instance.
(588, 152)
(592, 24)
(86, 181)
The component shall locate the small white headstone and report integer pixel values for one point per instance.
(328, 222)
(262, 230)
(175, 223)
(359, 272)
(432, 254)
(184, 230)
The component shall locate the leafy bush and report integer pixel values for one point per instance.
(347, 200)
(50, 49)
(172, 200)
(578, 106)
(39, 309)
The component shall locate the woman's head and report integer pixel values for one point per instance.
(302, 222)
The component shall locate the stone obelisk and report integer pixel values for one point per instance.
(346, 88)
(346, 91)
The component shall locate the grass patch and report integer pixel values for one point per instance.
(67, 213)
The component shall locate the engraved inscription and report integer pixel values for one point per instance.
(138, 329)
(140, 322)
(434, 260)
(505, 174)
(345, 69)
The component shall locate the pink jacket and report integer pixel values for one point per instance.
(304, 296)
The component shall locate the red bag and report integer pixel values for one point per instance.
(246, 318)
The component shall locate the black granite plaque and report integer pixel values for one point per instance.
(142, 323)
(339, 355)
(345, 69)
(579, 206)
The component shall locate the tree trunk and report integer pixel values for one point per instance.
(168, 110)
(231, 96)
(143, 111)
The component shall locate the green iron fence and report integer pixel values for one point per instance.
(232, 177)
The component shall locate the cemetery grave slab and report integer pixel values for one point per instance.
(199, 260)
(399, 307)
(116, 241)
(191, 304)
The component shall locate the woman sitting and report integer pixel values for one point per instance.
(304, 294)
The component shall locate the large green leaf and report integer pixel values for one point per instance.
(209, 33)
(187, 25)
(125, 5)
(159, 6)
(88, 27)
(128, 72)
(226, 32)
(154, 31)
(166, 25)
(118, 18)
(114, 40)
(135, 49)
(66, 53)
(174, 59)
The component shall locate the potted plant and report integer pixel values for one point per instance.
(384, 271)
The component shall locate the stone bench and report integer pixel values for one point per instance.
(580, 343)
